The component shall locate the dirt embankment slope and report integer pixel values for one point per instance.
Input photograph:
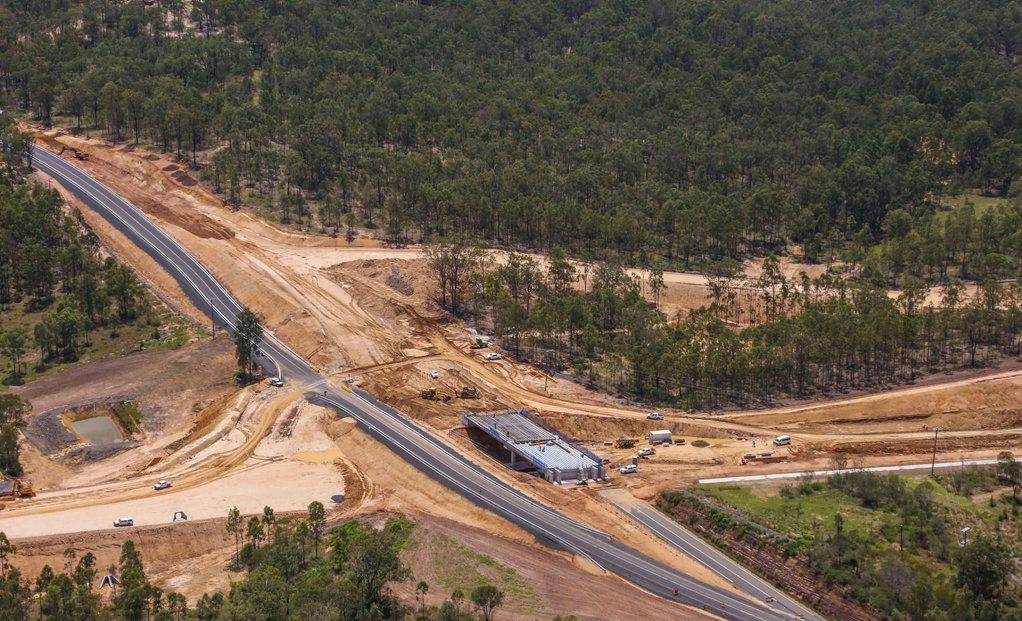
(168, 386)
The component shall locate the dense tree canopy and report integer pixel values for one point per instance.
(285, 581)
(689, 130)
(52, 271)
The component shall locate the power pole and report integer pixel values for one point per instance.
(933, 462)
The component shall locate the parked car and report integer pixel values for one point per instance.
(679, 441)
(782, 440)
(277, 381)
(161, 484)
(124, 521)
(492, 356)
(629, 469)
(434, 374)
(655, 416)
(646, 452)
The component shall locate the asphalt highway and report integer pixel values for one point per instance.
(722, 565)
(399, 433)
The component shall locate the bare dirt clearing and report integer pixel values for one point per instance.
(253, 463)
(169, 386)
(365, 313)
(450, 555)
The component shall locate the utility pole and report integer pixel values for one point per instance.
(933, 462)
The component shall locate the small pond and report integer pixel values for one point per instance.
(98, 430)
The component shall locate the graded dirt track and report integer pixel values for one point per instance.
(316, 293)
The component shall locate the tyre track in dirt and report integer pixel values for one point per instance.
(341, 334)
(506, 384)
(192, 476)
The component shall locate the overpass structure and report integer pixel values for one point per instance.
(532, 443)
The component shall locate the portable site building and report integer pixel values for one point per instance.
(660, 436)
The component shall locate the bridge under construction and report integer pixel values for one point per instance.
(533, 444)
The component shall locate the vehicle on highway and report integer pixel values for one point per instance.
(782, 440)
(492, 356)
(161, 484)
(655, 416)
(124, 521)
(646, 452)
(629, 469)
(434, 374)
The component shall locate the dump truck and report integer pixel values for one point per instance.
(468, 392)
(434, 395)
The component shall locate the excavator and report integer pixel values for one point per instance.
(433, 394)
(16, 488)
(79, 155)
(624, 443)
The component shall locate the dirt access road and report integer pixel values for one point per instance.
(312, 292)
(610, 553)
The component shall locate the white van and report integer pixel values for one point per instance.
(782, 440)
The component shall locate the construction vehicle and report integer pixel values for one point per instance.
(479, 343)
(763, 458)
(434, 395)
(79, 155)
(16, 488)
(624, 443)
(468, 392)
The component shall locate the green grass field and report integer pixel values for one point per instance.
(458, 567)
(803, 514)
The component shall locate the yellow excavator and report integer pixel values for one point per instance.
(16, 488)
(433, 394)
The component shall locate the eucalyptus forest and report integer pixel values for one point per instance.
(684, 132)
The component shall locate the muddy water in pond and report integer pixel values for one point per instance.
(98, 430)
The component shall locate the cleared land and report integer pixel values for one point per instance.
(365, 312)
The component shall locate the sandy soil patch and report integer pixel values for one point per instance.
(284, 485)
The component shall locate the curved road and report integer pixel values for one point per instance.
(394, 430)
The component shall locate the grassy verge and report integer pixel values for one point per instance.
(129, 415)
(895, 544)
